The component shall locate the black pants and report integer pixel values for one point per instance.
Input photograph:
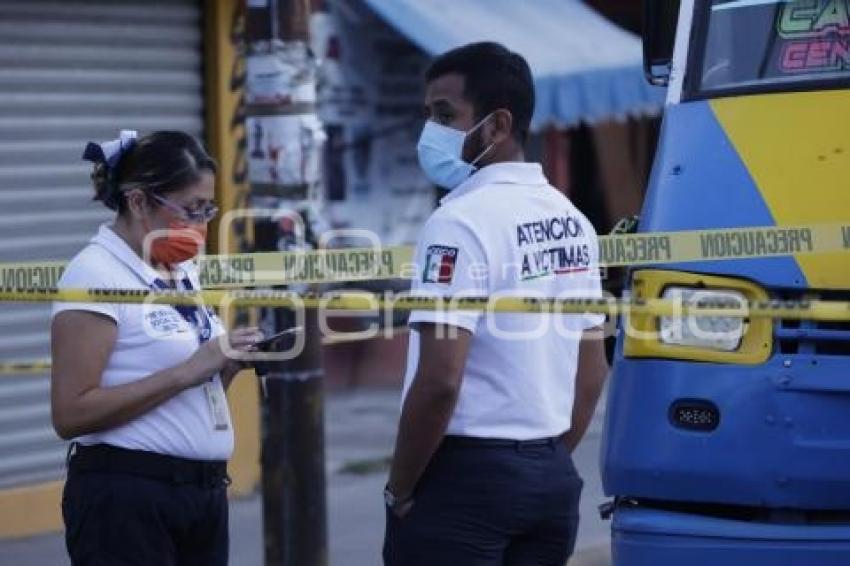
(155, 515)
(489, 505)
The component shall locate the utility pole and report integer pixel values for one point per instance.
(284, 142)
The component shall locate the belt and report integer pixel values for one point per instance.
(452, 441)
(172, 469)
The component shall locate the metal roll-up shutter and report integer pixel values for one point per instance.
(70, 72)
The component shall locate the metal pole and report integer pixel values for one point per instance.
(293, 451)
(294, 505)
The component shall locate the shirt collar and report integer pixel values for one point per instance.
(114, 244)
(505, 173)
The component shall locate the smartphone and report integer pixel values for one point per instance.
(261, 367)
(265, 344)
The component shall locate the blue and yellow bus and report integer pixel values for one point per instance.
(727, 441)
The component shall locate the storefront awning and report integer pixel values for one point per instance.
(585, 68)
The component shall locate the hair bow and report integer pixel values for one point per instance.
(110, 152)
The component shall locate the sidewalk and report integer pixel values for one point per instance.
(360, 433)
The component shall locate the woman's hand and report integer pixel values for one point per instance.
(242, 340)
(217, 354)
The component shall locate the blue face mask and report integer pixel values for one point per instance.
(440, 151)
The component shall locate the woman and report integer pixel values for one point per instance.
(140, 388)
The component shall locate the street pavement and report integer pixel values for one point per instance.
(360, 430)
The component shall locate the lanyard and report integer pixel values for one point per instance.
(197, 317)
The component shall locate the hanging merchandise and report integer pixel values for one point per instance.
(285, 137)
(284, 154)
(282, 77)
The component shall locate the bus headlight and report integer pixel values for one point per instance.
(723, 333)
(724, 339)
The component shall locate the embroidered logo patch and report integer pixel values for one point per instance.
(439, 264)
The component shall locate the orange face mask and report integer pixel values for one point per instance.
(180, 242)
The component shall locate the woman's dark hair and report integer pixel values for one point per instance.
(160, 163)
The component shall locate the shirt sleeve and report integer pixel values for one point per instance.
(450, 262)
(83, 273)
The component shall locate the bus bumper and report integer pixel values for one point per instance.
(643, 536)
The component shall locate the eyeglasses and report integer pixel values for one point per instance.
(195, 216)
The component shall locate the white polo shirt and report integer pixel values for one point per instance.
(150, 338)
(506, 231)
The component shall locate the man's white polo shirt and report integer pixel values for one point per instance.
(506, 231)
(150, 338)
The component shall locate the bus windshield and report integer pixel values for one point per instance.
(770, 45)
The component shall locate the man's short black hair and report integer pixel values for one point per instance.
(495, 77)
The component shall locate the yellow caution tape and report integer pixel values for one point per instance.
(363, 264)
(31, 275)
(25, 367)
(710, 245)
(251, 269)
(368, 302)
(314, 266)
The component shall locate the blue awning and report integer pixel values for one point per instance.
(585, 68)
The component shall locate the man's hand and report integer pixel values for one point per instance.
(402, 508)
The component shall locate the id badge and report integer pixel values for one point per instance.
(217, 404)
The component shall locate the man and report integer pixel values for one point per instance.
(493, 403)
